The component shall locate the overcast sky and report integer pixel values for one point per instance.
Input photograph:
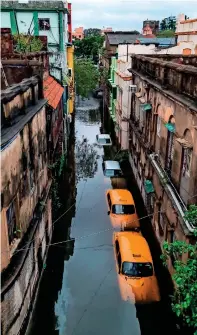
(126, 14)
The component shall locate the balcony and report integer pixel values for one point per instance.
(177, 80)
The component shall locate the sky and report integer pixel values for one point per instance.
(127, 14)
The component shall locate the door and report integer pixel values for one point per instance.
(118, 256)
(109, 201)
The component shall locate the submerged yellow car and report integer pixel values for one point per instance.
(121, 209)
(135, 266)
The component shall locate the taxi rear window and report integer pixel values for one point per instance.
(123, 209)
(131, 269)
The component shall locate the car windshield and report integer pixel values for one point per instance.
(137, 269)
(112, 173)
(123, 209)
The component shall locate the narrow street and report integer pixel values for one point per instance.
(79, 292)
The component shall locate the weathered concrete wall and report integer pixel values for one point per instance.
(24, 173)
(18, 297)
(150, 135)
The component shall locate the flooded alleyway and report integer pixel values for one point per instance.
(79, 292)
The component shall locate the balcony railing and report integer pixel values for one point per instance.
(181, 79)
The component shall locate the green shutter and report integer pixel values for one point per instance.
(170, 127)
(148, 186)
(146, 107)
(36, 26)
(13, 22)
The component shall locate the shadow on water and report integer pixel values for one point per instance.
(156, 318)
(44, 320)
(83, 164)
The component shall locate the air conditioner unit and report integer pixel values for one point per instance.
(133, 88)
(69, 117)
(145, 85)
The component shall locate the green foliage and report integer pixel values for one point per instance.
(86, 76)
(57, 169)
(166, 33)
(184, 301)
(89, 47)
(27, 43)
(92, 32)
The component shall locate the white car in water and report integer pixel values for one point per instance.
(103, 139)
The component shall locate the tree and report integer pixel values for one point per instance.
(86, 76)
(172, 25)
(166, 33)
(27, 43)
(92, 32)
(184, 301)
(89, 47)
(163, 25)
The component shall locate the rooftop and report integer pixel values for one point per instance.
(52, 91)
(121, 37)
(42, 5)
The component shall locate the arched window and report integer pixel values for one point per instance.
(187, 152)
(170, 144)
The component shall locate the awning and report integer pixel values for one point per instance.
(142, 100)
(148, 185)
(52, 91)
(146, 107)
(138, 94)
(170, 127)
(184, 143)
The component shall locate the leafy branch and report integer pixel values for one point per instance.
(184, 301)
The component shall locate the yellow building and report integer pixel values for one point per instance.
(71, 85)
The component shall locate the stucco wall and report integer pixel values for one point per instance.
(26, 154)
(17, 299)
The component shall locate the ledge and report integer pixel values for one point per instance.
(173, 195)
(180, 98)
(9, 133)
(16, 263)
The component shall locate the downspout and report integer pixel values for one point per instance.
(159, 171)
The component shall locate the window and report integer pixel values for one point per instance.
(31, 180)
(123, 209)
(137, 269)
(187, 158)
(158, 125)
(79, 36)
(11, 222)
(70, 72)
(44, 24)
(109, 200)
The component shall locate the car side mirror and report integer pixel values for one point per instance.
(108, 212)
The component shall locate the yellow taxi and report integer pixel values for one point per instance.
(135, 268)
(121, 209)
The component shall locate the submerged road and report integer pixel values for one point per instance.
(80, 293)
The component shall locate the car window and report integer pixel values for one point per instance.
(109, 173)
(137, 269)
(109, 200)
(107, 140)
(123, 209)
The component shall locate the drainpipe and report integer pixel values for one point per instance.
(170, 190)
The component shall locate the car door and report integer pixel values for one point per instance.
(118, 256)
(109, 202)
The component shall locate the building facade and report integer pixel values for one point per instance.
(162, 137)
(46, 18)
(78, 33)
(186, 32)
(26, 225)
(153, 25)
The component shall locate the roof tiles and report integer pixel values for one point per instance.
(52, 91)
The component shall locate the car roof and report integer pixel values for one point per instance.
(133, 247)
(112, 165)
(121, 196)
(104, 136)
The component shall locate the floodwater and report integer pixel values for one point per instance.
(80, 293)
